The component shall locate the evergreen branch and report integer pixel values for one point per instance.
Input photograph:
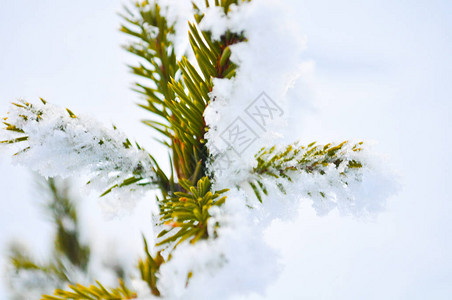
(309, 159)
(213, 57)
(64, 215)
(186, 214)
(149, 26)
(180, 100)
(57, 142)
(149, 269)
(92, 292)
(69, 257)
(21, 261)
(192, 97)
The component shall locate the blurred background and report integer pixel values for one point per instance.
(382, 72)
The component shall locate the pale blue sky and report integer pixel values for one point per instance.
(382, 73)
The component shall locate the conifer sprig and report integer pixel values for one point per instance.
(100, 150)
(149, 268)
(54, 270)
(64, 215)
(293, 159)
(69, 253)
(179, 95)
(93, 292)
(189, 150)
(153, 44)
(186, 214)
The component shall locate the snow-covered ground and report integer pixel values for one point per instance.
(380, 74)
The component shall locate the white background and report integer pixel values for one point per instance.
(382, 73)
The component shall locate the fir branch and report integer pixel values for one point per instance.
(186, 214)
(21, 261)
(293, 159)
(64, 215)
(180, 100)
(153, 45)
(57, 142)
(92, 292)
(192, 93)
(70, 257)
(213, 57)
(149, 268)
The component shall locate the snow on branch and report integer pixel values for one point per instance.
(311, 159)
(344, 176)
(55, 142)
